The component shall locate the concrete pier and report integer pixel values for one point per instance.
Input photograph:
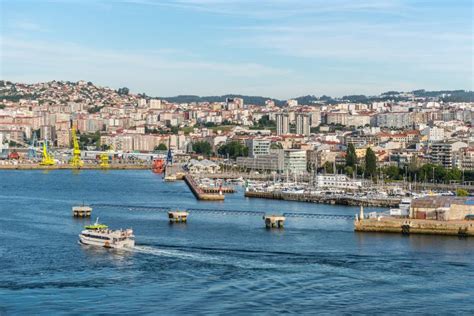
(274, 221)
(333, 200)
(81, 211)
(178, 216)
(199, 193)
(405, 226)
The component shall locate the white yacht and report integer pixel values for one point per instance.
(100, 235)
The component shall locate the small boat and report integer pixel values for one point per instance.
(100, 235)
(158, 165)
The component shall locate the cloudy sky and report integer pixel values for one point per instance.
(276, 48)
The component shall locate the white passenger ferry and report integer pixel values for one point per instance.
(100, 235)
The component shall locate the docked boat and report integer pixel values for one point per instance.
(100, 235)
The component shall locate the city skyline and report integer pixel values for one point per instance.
(277, 49)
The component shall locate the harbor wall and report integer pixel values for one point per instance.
(68, 167)
(415, 226)
(199, 193)
(337, 200)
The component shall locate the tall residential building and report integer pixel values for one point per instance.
(443, 153)
(283, 124)
(303, 124)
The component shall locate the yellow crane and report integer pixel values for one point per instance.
(104, 160)
(105, 156)
(47, 158)
(76, 161)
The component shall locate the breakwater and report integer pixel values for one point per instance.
(415, 226)
(199, 193)
(325, 199)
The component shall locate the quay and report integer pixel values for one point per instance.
(69, 167)
(415, 226)
(323, 199)
(199, 192)
(81, 211)
(443, 215)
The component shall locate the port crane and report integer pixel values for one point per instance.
(76, 161)
(104, 158)
(48, 159)
(33, 147)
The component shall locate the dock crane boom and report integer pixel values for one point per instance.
(76, 161)
(47, 158)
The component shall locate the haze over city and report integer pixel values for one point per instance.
(279, 49)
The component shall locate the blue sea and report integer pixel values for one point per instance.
(217, 263)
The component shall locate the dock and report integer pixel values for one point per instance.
(81, 211)
(199, 193)
(324, 199)
(460, 228)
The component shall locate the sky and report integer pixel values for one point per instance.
(274, 48)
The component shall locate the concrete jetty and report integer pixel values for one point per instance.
(415, 226)
(274, 221)
(323, 199)
(178, 216)
(453, 221)
(199, 192)
(81, 211)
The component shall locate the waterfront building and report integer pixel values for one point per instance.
(283, 124)
(269, 162)
(303, 124)
(258, 146)
(337, 181)
(294, 160)
(444, 208)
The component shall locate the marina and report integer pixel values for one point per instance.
(226, 242)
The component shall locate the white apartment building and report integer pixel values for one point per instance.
(258, 147)
(303, 124)
(283, 124)
(294, 160)
(336, 181)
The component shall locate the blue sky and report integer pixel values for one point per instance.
(276, 48)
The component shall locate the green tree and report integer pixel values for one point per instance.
(161, 147)
(123, 91)
(351, 156)
(233, 149)
(202, 147)
(462, 192)
(392, 172)
(370, 163)
(328, 167)
(276, 146)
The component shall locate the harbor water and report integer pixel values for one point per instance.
(217, 263)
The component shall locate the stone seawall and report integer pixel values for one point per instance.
(415, 226)
(352, 201)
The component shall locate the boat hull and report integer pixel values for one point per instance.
(119, 244)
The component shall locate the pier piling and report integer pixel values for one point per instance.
(81, 211)
(274, 221)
